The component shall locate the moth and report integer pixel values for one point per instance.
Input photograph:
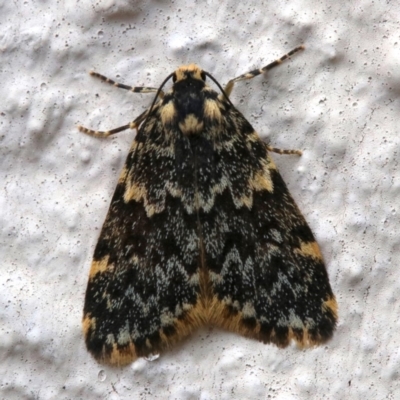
(202, 230)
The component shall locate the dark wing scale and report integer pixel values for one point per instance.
(267, 274)
(143, 290)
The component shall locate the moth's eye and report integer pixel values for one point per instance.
(203, 75)
(174, 77)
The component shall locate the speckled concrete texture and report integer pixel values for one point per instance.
(338, 101)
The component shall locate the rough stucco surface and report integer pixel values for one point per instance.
(338, 101)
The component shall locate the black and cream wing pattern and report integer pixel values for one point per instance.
(202, 230)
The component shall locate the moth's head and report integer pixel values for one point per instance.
(189, 71)
(189, 79)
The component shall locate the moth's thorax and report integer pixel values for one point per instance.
(188, 98)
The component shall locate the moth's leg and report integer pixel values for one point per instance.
(132, 125)
(135, 89)
(103, 134)
(283, 151)
(252, 74)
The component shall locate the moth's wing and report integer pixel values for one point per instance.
(266, 271)
(143, 289)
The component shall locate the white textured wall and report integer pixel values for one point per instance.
(338, 101)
